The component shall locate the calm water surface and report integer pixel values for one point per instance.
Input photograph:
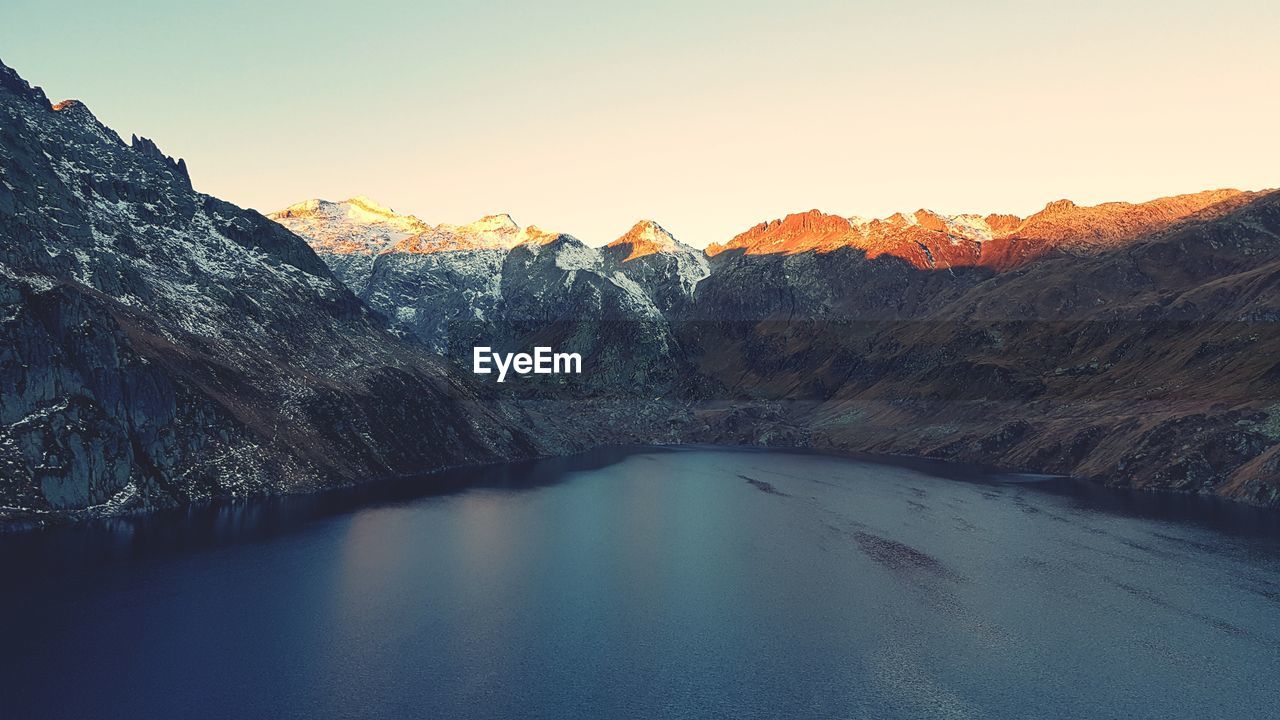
(652, 584)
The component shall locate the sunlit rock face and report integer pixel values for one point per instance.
(665, 268)
(930, 240)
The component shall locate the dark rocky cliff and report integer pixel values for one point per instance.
(159, 346)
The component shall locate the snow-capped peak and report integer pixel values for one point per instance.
(968, 225)
(501, 222)
(358, 225)
(965, 226)
(304, 208)
(365, 204)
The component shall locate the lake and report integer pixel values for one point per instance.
(655, 583)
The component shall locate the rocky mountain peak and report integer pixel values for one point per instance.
(930, 220)
(369, 205)
(797, 232)
(143, 146)
(491, 232)
(647, 237)
(69, 106)
(11, 81)
(1067, 224)
(79, 112)
(306, 208)
(1002, 223)
(1058, 207)
(358, 225)
(361, 225)
(160, 344)
(900, 220)
(500, 223)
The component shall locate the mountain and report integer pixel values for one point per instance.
(358, 226)
(493, 283)
(350, 234)
(161, 346)
(362, 226)
(1146, 362)
(443, 284)
(646, 238)
(930, 240)
(668, 270)
(1129, 343)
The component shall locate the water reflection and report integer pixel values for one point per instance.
(655, 583)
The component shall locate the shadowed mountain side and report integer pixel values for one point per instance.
(843, 282)
(159, 346)
(1156, 364)
(665, 268)
(1202, 268)
(1174, 405)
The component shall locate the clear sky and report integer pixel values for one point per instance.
(707, 116)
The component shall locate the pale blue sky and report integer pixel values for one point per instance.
(705, 116)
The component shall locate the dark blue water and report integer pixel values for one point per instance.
(691, 583)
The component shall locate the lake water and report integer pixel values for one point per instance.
(656, 583)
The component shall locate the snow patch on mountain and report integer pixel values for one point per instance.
(355, 226)
(572, 254)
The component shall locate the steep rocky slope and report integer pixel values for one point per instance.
(665, 268)
(162, 346)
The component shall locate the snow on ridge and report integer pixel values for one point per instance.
(973, 227)
(372, 207)
(577, 256)
(968, 226)
(363, 226)
(356, 226)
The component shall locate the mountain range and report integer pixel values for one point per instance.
(1130, 343)
(930, 240)
(163, 347)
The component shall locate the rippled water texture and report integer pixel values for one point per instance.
(656, 583)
